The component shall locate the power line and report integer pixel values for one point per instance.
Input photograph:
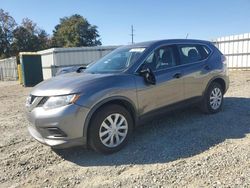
(132, 34)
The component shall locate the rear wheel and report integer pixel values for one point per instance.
(213, 99)
(110, 129)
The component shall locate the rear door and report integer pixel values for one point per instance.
(195, 68)
(169, 83)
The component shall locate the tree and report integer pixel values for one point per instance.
(44, 40)
(29, 37)
(72, 31)
(7, 26)
(75, 31)
(23, 40)
(30, 26)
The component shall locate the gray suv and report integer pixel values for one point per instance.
(100, 106)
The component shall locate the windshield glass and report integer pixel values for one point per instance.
(117, 61)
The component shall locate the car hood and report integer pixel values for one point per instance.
(66, 84)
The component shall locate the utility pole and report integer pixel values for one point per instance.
(132, 34)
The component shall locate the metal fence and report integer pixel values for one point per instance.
(8, 69)
(237, 50)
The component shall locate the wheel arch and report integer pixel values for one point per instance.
(219, 80)
(123, 101)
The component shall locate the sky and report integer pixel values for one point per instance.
(152, 19)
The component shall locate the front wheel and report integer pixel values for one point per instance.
(213, 99)
(110, 129)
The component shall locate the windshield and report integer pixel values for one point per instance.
(117, 61)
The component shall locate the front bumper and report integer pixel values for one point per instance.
(60, 127)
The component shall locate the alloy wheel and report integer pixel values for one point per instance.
(113, 130)
(215, 98)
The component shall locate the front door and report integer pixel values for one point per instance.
(169, 83)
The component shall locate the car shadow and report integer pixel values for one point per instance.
(180, 134)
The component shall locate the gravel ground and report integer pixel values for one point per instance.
(184, 149)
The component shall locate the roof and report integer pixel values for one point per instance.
(28, 53)
(165, 41)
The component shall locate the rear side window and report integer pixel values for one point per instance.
(193, 53)
(206, 51)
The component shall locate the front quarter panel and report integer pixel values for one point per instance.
(110, 88)
(113, 86)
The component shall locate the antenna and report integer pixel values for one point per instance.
(187, 35)
(132, 34)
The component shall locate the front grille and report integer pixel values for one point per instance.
(32, 98)
(42, 101)
(35, 101)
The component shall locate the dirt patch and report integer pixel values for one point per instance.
(186, 148)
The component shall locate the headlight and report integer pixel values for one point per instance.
(58, 101)
(28, 101)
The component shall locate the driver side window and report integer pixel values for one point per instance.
(161, 58)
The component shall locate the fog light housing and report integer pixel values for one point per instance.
(55, 132)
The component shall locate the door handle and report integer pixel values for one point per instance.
(177, 75)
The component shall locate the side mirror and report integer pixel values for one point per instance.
(148, 75)
(80, 69)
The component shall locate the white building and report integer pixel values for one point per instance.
(55, 58)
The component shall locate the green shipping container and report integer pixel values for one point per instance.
(31, 68)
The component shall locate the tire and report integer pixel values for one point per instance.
(211, 104)
(102, 134)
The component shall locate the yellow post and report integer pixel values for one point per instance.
(20, 78)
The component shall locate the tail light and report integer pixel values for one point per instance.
(224, 63)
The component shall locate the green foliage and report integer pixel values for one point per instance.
(75, 31)
(7, 25)
(28, 37)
